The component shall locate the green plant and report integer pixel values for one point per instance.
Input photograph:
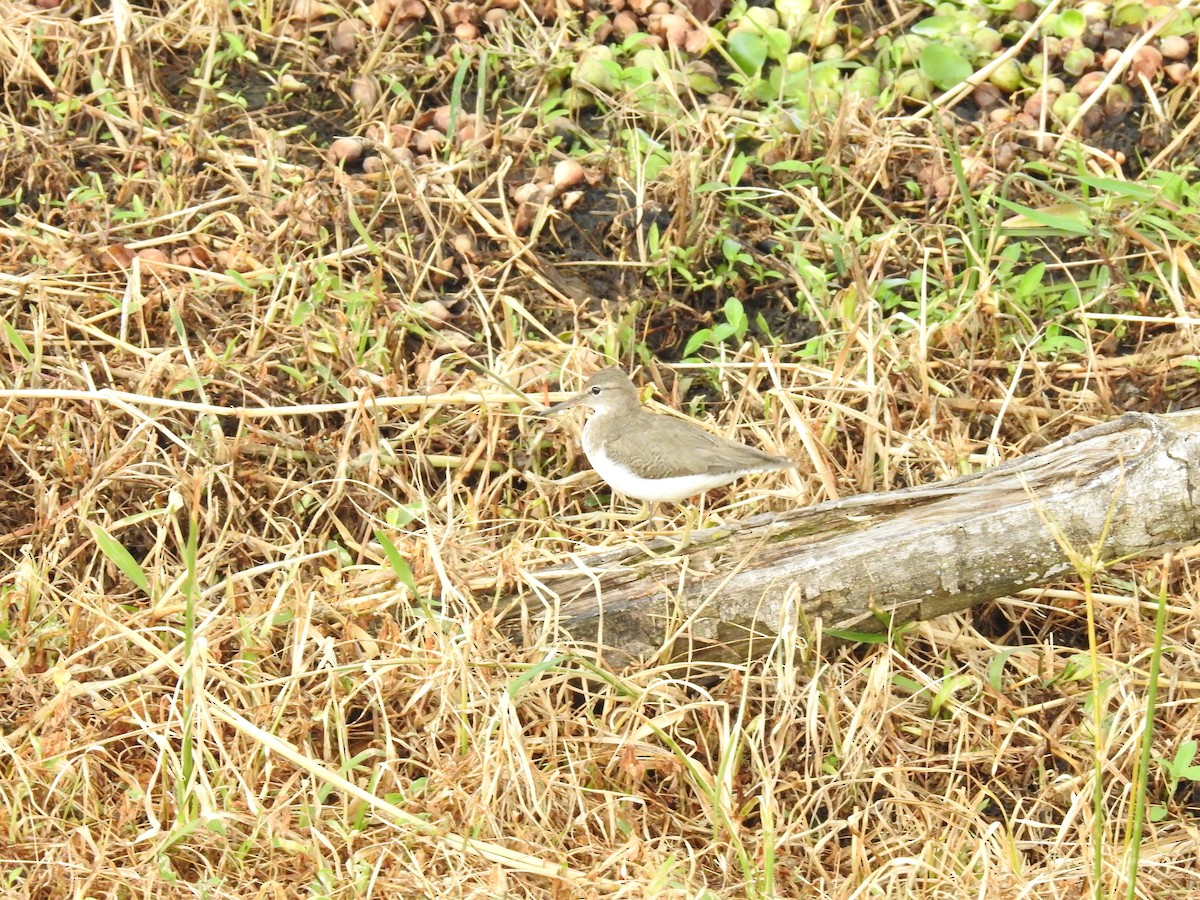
(1179, 768)
(734, 326)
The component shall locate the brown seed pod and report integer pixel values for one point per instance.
(311, 10)
(699, 41)
(441, 118)
(365, 91)
(567, 174)
(526, 193)
(344, 150)
(344, 38)
(677, 30)
(1118, 101)
(1178, 72)
(427, 141)
(434, 312)
(599, 27)
(1088, 83)
(625, 23)
(464, 245)
(987, 96)
(1147, 63)
(115, 256)
(153, 258)
(383, 11)
(458, 13)
(1174, 47)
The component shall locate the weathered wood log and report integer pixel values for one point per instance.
(861, 563)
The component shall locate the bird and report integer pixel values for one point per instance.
(656, 458)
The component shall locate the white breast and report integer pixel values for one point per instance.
(654, 490)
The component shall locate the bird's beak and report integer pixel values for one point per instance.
(559, 407)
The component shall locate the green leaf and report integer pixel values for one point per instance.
(737, 168)
(120, 557)
(735, 315)
(995, 670)
(15, 341)
(748, 49)
(1115, 186)
(946, 691)
(732, 251)
(696, 341)
(904, 683)
(937, 26)
(534, 671)
(858, 637)
(399, 516)
(1066, 218)
(1031, 281)
(397, 562)
(944, 67)
(1184, 756)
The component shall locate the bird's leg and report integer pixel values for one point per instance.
(691, 518)
(652, 515)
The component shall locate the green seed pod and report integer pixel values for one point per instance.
(650, 58)
(818, 31)
(701, 77)
(864, 82)
(827, 98)
(1066, 106)
(657, 102)
(793, 13)
(987, 41)
(1079, 60)
(1007, 76)
(760, 18)
(907, 49)
(913, 84)
(793, 120)
(576, 99)
(825, 75)
(1035, 70)
(601, 74)
(797, 61)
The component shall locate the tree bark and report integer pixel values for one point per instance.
(1126, 487)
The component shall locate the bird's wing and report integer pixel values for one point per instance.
(675, 447)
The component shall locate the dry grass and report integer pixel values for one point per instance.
(280, 711)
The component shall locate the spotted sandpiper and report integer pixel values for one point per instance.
(652, 457)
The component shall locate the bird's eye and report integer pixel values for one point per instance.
(595, 390)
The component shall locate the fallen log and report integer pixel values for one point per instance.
(1126, 487)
